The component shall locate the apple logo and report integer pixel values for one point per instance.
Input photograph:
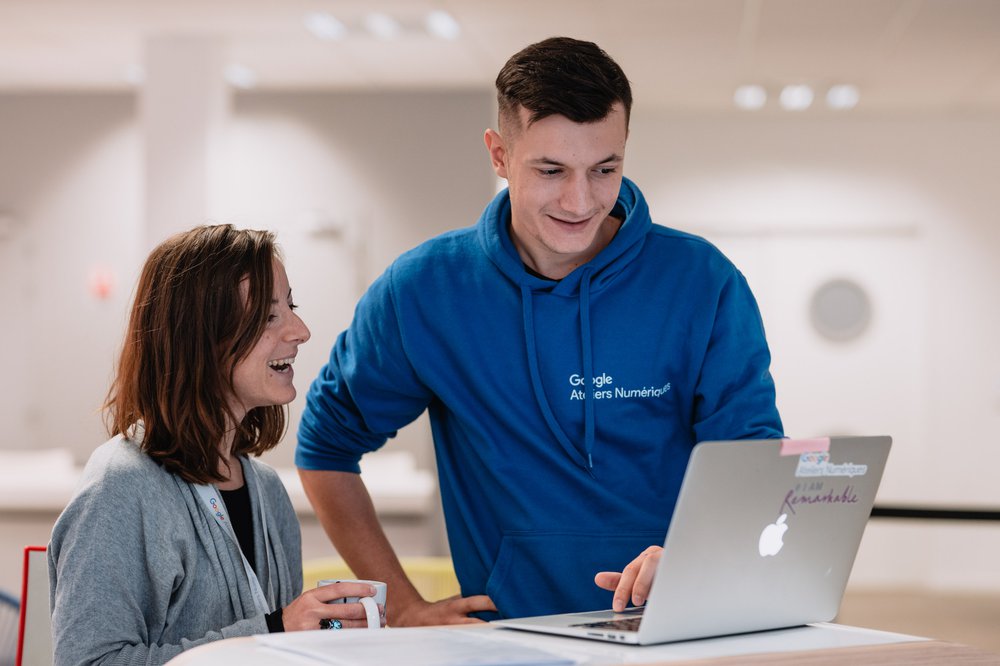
(771, 538)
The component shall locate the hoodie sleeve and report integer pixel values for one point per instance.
(367, 390)
(735, 395)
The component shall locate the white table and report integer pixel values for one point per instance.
(819, 644)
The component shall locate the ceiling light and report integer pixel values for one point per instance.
(382, 26)
(842, 97)
(241, 76)
(441, 24)
(796, 97)
(750, 97)
(325, 26)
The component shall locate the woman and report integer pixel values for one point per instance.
(176, 536)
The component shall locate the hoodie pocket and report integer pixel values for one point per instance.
(543, 572)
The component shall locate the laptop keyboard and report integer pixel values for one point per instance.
(625, 624)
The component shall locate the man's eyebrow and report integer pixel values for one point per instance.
(613, 157)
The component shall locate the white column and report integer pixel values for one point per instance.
(184, 106)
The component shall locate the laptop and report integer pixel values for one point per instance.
(763, 536)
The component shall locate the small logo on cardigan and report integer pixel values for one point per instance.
(215, 507)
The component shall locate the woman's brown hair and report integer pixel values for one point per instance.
(190, 324)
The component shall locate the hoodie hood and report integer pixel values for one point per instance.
(591, 277)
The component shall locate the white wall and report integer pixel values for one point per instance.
(908, 208)
(70, 180)
(904, 205)
(392, 169)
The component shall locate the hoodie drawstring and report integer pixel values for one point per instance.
(585, 459)
(588, 369)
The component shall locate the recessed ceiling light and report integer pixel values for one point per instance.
(441, 24)
(843, 96)
(241, 76)
(750, 97)
(796, 97)
(382, 26)
(325, 26)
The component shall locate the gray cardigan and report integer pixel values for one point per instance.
(140, 571)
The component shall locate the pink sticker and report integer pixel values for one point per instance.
(795, 447)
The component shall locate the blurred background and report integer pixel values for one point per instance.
(844, 153)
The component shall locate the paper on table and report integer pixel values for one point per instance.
(414, 647)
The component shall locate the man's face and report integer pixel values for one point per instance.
(564, 179)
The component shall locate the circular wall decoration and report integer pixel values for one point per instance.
(840, 310)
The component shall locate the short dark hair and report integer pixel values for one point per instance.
(189, 326)
(562, 76)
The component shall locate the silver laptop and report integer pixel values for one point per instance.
(763, 536)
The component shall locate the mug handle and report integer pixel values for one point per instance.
(371, 612)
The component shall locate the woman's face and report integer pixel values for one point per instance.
(265, 376)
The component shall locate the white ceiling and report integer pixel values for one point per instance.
(904, 55)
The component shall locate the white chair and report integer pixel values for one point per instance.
(34, 640)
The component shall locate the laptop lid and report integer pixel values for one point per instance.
(764, 535)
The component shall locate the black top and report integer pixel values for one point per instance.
(532, 271)
(241, 515)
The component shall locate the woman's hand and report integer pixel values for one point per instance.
(306, 611)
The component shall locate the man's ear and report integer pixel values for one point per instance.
(498, 152)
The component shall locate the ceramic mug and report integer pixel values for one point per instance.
(374, 605)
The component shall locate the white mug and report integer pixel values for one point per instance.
(374, 605)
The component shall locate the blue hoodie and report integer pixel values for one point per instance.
(563, 413)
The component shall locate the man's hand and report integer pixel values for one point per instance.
(346, 511)
(634, 581)
(453, 610)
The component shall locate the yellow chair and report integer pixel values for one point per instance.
(433, 577)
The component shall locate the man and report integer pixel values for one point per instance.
(570, 354)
